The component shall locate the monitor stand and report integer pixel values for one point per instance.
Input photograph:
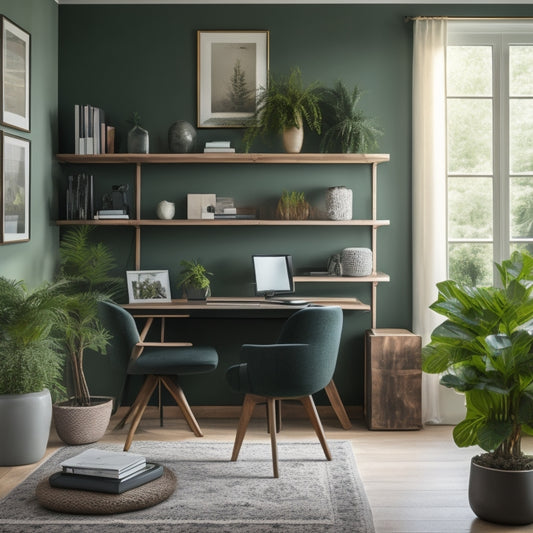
(285, 301)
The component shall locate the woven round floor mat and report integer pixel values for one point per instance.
(88, 502)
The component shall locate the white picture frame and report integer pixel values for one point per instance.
(15, 111)
(14, 189)
(232, 68)
(148, 286)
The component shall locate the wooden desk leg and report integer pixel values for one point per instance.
(338, 406)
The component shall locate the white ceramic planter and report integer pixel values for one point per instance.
(25, 423)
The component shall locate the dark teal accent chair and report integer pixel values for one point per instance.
(301, 363)
(161, 363)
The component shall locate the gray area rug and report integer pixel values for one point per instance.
(311, 495)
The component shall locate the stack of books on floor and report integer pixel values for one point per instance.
(105, 471)
(110, 214)
(218, 146)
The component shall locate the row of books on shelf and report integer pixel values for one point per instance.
(105, 471)
(92, 135)
(218, 146)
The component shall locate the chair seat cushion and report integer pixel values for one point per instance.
(175, 361)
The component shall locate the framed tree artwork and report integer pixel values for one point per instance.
(15, 76)
(15, 189)
(232, 67)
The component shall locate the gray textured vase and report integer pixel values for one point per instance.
(181, 137)
(138, 141)
(501, 496)
(25, 421)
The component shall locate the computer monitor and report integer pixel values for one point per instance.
(273, 275)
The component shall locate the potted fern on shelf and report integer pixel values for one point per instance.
(85, 267)
(484, 349)
(31, 368)
(283, 108)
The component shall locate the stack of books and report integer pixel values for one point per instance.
(91, 133)
(104, 471)
(218, 146)
(110, 214)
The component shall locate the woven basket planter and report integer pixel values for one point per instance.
(356, 262)
(82, 425)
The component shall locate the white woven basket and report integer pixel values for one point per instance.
(339, 203)
(356, 262)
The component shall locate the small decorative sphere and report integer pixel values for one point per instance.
(181, 137)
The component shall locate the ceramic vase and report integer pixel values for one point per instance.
(181, 137)
(138, 141)
(293, 139)
(166, 210)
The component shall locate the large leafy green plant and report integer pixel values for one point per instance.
(30, 358)
(86, 267)
(194, 274)
(285, 103)
(484, 350)
(346, 128)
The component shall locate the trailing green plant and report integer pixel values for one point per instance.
(30, 356)
(285, 103)
(484, 349)
(86, 267)
(194, 274)
(346, 129)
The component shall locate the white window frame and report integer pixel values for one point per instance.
(500, 35)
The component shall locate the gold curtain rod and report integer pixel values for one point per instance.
(411, 19)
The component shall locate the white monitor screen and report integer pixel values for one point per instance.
(273, 274)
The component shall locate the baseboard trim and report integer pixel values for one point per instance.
(290, 410)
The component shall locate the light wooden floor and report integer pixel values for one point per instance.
(416, 481)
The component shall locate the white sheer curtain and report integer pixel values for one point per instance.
(429, 189)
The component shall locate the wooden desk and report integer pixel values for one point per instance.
(246, 306)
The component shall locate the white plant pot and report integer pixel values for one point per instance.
(25, 422)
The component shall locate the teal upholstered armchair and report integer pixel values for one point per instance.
(301, 363)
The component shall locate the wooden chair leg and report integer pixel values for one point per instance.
(310, 408)
(247, 410)
(131, 411)
(181, 400)
(271, 404)
(338, 406)
(144, 396)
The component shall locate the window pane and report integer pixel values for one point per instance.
(471, 263)
(470, 208)
(522, 247)
(469, 70)
(521, 208)
(521, 70)
(469, 136)
(521, 135)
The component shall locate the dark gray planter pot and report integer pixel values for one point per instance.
(25, 421)
(194, 293)
(501, 496)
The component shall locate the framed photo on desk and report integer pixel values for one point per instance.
(145, 286)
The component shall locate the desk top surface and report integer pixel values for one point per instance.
(244, 303)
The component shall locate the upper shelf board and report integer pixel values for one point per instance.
(225, 158)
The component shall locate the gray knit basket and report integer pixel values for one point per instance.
(339, 203)
(356, 262)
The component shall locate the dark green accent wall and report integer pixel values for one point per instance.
(143, 58)
(35, 261)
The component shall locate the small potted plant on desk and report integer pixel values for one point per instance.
(484, 350)
(85, 267)
(31, 369)
(194, 280)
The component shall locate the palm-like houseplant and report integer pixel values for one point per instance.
(31, 368)
(284, 106)
(346, 129)
(86, 266)
(484, 349)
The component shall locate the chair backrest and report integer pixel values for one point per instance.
(303, 360)
(124, 335)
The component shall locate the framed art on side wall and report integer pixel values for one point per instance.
(15, 189)
(15, 76)
(145, 286)
(232, 67)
